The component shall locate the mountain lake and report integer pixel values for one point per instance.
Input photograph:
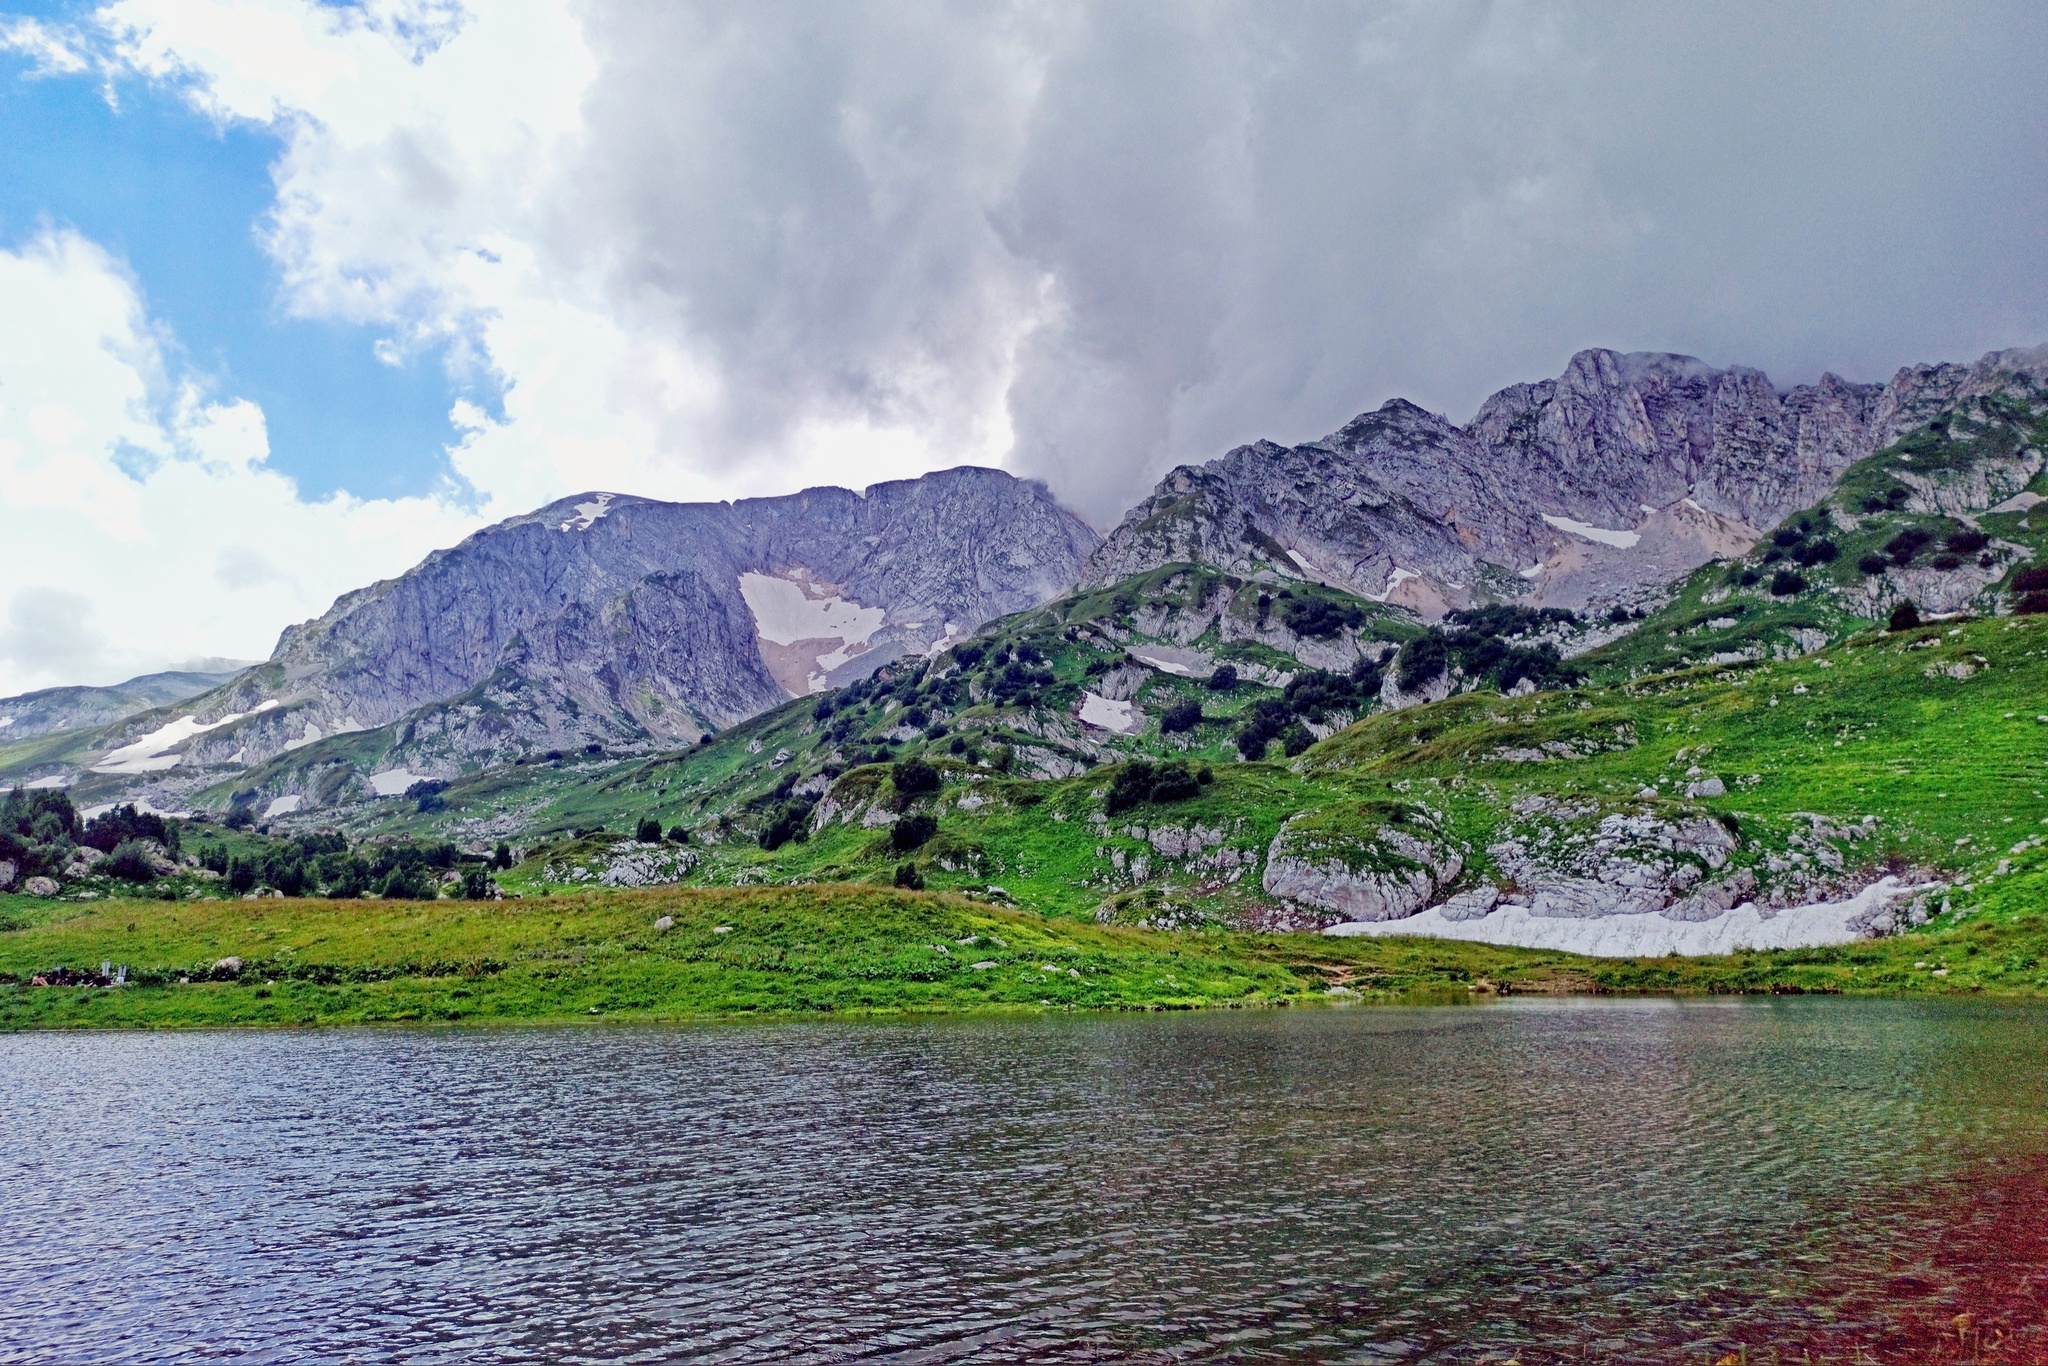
(1532, 1180)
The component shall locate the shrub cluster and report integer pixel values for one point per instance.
(1139, 782)
(1800, 543)
(39, 830)
(1309, 696)
(1318, 617)
(913, 831)
(1892, 499)
(1483, 643)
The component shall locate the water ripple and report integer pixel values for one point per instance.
(1558, 1181)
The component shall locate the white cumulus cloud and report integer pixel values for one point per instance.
(708, 250)
(143, 525)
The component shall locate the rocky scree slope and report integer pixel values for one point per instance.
(1596, 488)
(609, 619)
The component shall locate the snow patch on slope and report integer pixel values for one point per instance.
(393, 782)
(152, 752)
(1621, 540)
(1168, 659)
(1652, 935)
(1109, 714)
(1394, 581)
(588, 513)
(818, 627)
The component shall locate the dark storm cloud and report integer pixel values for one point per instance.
(1156, 231)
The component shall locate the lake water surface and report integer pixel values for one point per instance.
(1542, 1181)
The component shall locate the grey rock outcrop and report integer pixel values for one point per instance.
(1579, 860)
(41, 886)
(1603, 484)
(1374, 873)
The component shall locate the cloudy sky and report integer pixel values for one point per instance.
(293, 292)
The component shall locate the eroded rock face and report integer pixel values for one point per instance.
(1618, 476)
(1372, 873)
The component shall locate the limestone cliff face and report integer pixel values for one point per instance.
(1621, 474)
(605, 618)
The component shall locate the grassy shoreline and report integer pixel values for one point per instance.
(838, 950)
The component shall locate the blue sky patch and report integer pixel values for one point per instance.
(180, 200)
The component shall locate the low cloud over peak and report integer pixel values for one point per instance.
(715, 251)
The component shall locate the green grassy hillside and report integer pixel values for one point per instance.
(834, 950)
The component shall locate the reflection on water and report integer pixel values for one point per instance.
(1547, 1181)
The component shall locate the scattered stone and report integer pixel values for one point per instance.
(1707, 787)
(667, 922)
(227, 969)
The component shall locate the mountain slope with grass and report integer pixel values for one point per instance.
(1740, 764)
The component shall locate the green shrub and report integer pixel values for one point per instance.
(1224, 679)
(407, 882)
(131, 861)
(913, 831)
(1422, 660)
(1138, 782)
(909, 878)
(1905, 617)
(914, 778)
(1908, 543)
(648, 831)
(1785, 583)
(1181, 716)
(1318, 618)
(792, 822)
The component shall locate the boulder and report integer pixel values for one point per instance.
(227, 969)
(1474, 904)
(1715, 898)
(7, 872)
(1377, 873)
(1707, 787)
(667, 922)
(41, 886)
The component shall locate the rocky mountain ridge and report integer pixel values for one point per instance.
(1598, 487)
(47, 711)
(608, 619)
